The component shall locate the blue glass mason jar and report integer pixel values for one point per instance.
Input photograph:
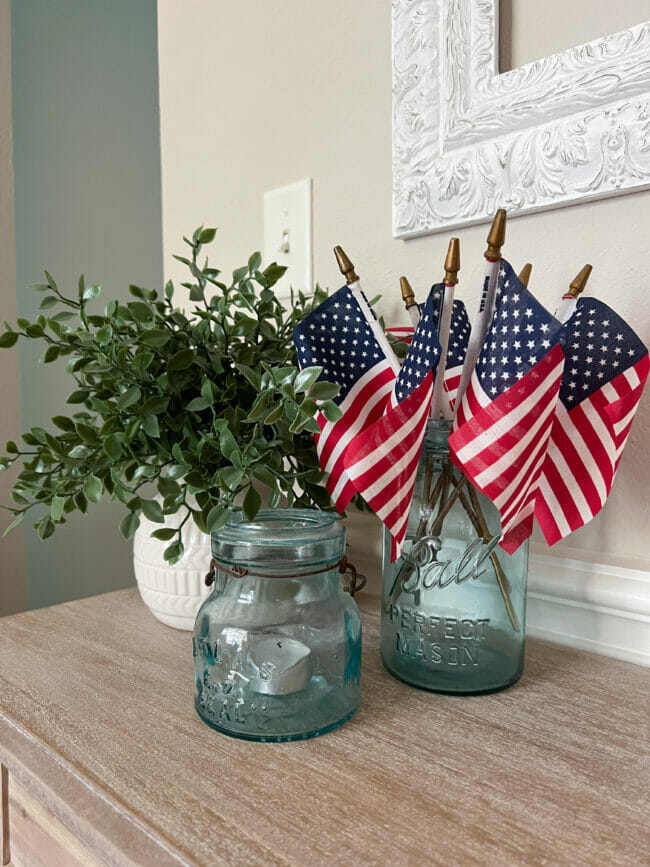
(454, 604)
(277, 644)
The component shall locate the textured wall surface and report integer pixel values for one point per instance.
(254, 96)
(87, 181)
(12, 553)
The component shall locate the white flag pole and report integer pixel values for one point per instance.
(481, 323)
(440, 405)
(354, 285)
(568, 303)
(412, 307)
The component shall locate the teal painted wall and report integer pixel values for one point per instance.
(87, 200)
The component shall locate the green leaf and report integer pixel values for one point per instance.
(174, 553)
(56, 509)
(12, 448)
(129, 524)
(164, 534)
(34, 331)
(176, 471)
(45, 528)
(206, 236)
(209, 392)
(251, 375)
(252, 503)
(112, 447)
(91, 292)
(63, 423)
(155, 405)
(323, 390)
(152, 510)
(254, 262)
(79, 452)
(197, 404)
(8, 339)
(168, 487)
(181, 360)
(48, 301)
(93, 488)
(264, 475)
(273, 273)
(51, 354)
(151, 426)
(129, 397)
(217, 518)
(228, 445)
(331, 411)
(79, 396)
(141, 311)
(155, 337)
(275, 415)
(13, 524)
(306, 378)
(232, 477)
(104, 335)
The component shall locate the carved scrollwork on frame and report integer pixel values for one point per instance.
(468, 140)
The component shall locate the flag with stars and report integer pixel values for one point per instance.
(504, 421)
(382, 461)
(606, 370)
(337, 337)
(456, 350)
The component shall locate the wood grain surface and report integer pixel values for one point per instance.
(97, 723)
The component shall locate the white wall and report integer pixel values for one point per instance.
(256, 95)
(12, 553)
(87, 200)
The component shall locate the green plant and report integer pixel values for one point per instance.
(207, 408)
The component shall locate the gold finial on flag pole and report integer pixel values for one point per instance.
(407, 293)
(347, 268)
(496, 236)
(579, 282)
(524, 274)
(452, 262)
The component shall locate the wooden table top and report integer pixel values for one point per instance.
(97, 719)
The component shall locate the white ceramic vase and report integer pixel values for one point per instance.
(173, 594)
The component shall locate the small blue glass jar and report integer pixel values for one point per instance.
(277, 644)
(454, 604)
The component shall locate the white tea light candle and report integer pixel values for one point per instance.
(284, 665)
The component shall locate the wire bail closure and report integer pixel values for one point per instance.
(355, 581)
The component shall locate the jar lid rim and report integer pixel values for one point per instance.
(272, 527)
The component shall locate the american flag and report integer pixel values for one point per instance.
(456, 348)
(606, 369)
(403, 333)
(337, 337)
(382, 461)
(504, 421)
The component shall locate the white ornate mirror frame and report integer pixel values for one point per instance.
(468, 140)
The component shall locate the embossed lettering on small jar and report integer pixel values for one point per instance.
(277, 644)
(454, 604)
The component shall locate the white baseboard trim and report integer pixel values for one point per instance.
(590, 606)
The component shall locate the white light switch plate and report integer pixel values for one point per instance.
(288, 235)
